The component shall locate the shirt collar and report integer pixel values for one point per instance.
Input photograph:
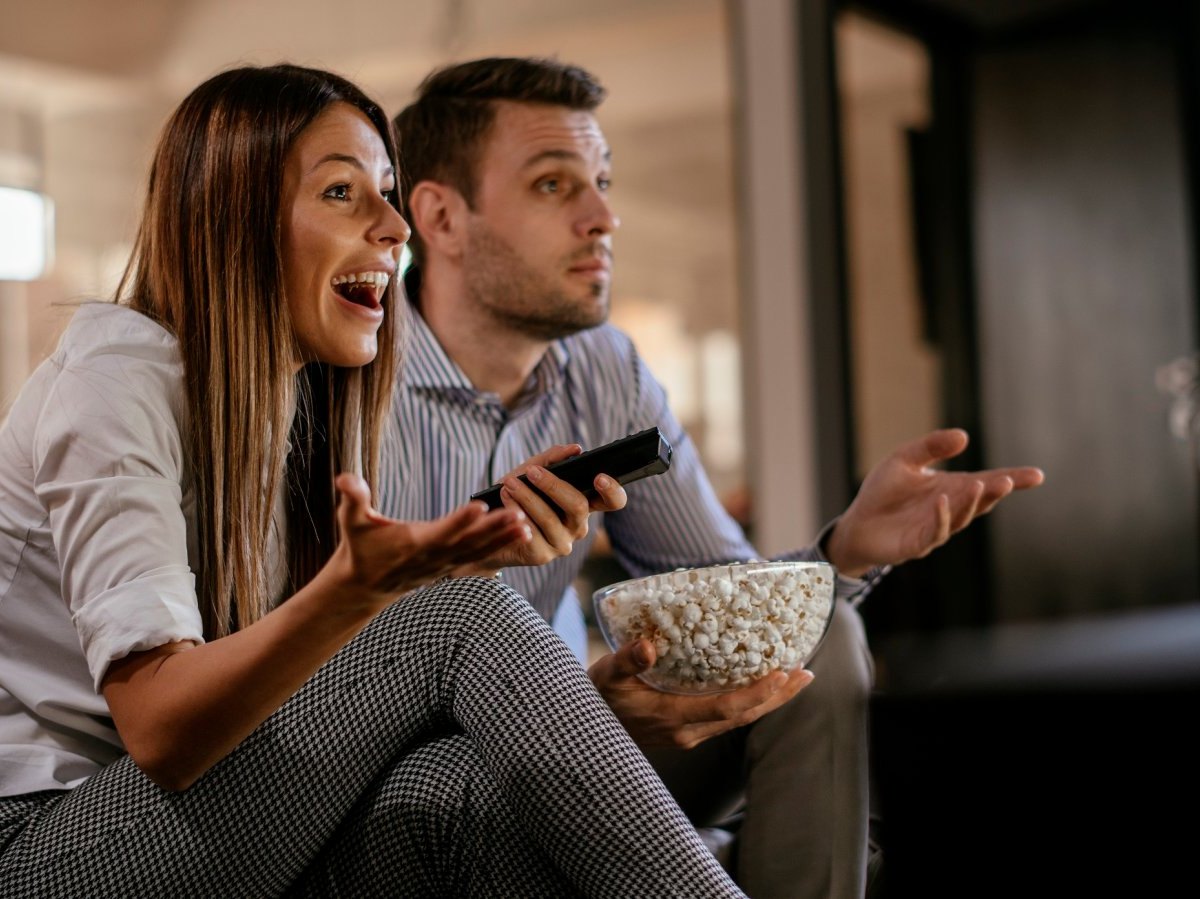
(428, 366)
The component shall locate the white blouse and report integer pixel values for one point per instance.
(97, 536)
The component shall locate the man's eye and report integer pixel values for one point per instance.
(549, 186)
(338, 192)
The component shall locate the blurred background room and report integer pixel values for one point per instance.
(844, 224)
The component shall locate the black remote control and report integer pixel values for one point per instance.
(626, 460)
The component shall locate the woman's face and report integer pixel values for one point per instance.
(341, 237)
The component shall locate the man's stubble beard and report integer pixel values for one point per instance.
(507, 290)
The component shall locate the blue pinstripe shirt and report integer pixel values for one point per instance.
(450, 440)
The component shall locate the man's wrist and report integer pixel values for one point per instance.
(831, 544)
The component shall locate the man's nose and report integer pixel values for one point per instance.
(599, 218)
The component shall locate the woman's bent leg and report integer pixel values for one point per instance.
(468, 653)
(439, 818)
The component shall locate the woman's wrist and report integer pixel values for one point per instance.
(341, 578)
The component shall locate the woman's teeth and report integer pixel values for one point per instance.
(363, 288)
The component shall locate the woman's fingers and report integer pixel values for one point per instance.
(354, 500)
(487, 546)
(467, 535)
(397, 555)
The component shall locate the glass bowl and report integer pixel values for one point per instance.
(719, 628)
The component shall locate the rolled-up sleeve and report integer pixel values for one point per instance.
(109, 469)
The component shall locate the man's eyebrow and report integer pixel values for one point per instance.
(569, 155)
(349, 160)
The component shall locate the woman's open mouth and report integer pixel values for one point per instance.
(364, 289)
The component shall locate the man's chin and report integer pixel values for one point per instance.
(557, 330)
(558, 327)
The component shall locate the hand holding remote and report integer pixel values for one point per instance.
(559, 488)
(626, 460)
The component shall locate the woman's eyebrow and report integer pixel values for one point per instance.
(349, 160)
(338, 157)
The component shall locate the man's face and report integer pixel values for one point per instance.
(538, 256)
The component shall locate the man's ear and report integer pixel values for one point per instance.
(439, 216)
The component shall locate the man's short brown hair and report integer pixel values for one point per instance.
(441, 133)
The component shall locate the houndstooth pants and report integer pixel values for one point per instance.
(458, 697)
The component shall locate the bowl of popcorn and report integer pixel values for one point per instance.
(722, 627)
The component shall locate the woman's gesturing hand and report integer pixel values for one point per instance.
(380, 558)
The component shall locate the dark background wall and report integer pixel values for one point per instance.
(1056, 220)
(1085, 287)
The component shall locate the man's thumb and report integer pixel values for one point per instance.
(634, 658)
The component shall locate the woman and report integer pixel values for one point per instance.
(168, 476)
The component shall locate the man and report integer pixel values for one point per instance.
(505, 180)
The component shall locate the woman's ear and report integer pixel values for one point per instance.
(438, 214)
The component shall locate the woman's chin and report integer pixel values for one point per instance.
(354, 355)
(357, 357)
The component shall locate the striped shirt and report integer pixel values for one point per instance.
(450, 440)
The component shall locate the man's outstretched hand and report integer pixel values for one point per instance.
(905, 508)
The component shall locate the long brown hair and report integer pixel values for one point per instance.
(207, 265)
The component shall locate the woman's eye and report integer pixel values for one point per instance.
(338, 192)
(603, 184)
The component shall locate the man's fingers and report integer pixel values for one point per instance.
(572, 503)
(795, 681)
(556, 453)
(543, 515)
(1023, 478)
(610, 496)
(966, 512)
(943, 531)
(749, 706)
(936, 446)
(733, 706)
(997, 489)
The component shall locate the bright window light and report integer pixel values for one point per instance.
(26, 234)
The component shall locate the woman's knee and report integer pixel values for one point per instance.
(460, 604)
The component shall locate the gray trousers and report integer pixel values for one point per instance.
(799, 776)
(458, 698)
